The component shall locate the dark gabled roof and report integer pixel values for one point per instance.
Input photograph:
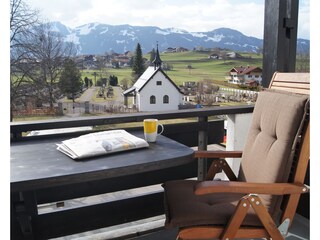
(157, 62)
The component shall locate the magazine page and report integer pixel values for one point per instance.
(100, 143)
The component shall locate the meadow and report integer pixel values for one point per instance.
(202, 68)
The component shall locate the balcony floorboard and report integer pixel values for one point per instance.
(300, 230)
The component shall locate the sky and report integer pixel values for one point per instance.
(246, 16)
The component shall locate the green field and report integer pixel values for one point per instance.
(202, 67)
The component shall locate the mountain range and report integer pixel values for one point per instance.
(98, 38)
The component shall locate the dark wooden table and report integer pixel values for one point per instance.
(40, 173)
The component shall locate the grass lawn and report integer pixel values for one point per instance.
(202, 67)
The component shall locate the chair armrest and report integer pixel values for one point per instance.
(218, 154)
(207, 187)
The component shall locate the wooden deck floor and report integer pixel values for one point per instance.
(151, 229)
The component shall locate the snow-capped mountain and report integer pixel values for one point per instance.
(98, 38)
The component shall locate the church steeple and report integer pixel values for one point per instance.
(157, 62)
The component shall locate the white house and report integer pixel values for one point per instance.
(154, 90)
(245, 75)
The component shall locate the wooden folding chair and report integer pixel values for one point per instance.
(262, 200)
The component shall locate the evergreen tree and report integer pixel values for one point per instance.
(70, 80)
(137, 64)
(113, 80)
(86, 82)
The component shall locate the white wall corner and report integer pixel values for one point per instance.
(237, 130)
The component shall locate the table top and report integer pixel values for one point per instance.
(37, 164)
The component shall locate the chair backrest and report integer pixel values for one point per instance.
(291, 82)
(277, 120)
(298, 83)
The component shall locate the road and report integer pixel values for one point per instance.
(77, 108)
(88, 94)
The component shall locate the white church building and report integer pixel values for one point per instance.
(154, 90)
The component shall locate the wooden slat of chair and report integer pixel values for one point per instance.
(235, 222)
(299, 175)
(303, 91)
(218, 165)
(204, 232)
(291, 82)
(266, 219)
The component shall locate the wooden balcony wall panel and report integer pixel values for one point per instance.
(77, 220)
(17, 128)
(187, 134)
(55, 194)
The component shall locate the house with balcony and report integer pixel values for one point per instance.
(154, 90)
(245, 75)
(129, 201)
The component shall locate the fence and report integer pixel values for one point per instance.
(86, 108)
(41, 111)
(239, 91)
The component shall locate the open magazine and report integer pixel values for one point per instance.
(100, 143)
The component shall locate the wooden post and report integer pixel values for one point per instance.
(202, 145)
(86, 107)
(280, 38)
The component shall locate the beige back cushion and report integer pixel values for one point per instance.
(267, 155)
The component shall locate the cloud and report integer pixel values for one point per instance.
(304, 20)
(246, 16)
(60, 10)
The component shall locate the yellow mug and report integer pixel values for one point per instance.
(150, 127)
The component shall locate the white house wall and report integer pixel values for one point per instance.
(257, 77)
(159, 91)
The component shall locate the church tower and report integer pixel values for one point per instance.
(157, 62)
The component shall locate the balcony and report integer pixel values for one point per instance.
(121, 197)
(78, 211)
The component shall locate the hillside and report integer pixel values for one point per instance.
(201, 66)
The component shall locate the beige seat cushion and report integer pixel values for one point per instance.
(266, 158)
(184, 208)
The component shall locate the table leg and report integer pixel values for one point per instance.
(23, 211)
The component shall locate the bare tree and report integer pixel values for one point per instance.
(223, 56)
(46, 53)
(103, 72)
(22, 20)
(36, 56)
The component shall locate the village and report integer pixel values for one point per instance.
(147, 94)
